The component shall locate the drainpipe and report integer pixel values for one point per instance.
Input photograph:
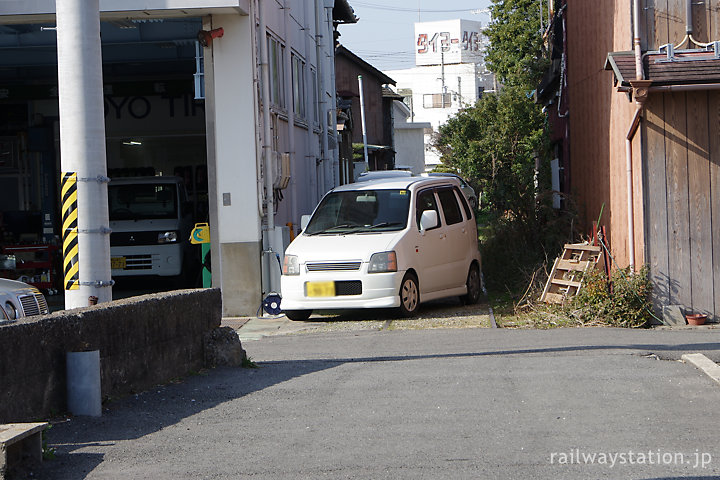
(362, 118)
(320, 35)
(267, 135)
(335, 164)
(636, 40)
(291, 114)
(640, 93)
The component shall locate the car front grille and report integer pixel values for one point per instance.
(333, 267)
(33, 304)
(348, 287)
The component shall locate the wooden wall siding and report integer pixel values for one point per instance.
(699, 192)
(656, 201)
(682, 174)
(714, 167)
(590, 107)
(664, 22)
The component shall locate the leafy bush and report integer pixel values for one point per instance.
(625, 304)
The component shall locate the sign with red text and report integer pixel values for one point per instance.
(448, 41)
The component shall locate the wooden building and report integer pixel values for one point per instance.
(643, 138)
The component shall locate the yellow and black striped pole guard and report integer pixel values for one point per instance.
(71, 265)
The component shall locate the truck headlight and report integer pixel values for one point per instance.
(167, 237)
(383, 262)
(291, 265)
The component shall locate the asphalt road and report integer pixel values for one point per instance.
(435, 404)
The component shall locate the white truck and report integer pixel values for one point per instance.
(151, 220)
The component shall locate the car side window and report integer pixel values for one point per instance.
(425, 201)
(450, 206)
(463, 200)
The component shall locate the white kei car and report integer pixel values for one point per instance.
(393, 242)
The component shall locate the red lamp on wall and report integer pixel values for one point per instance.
(206, 37)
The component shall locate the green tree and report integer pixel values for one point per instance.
(515, 53)
(498, 144)
(494, 144)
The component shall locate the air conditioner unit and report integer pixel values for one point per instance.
(282, 170)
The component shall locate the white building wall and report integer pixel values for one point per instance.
(409, 139)
(235, 131)
(461, 83)
(234, 115)
(449, 59)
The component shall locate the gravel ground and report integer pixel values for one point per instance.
(440, 314)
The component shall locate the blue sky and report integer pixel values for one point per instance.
(384, 36)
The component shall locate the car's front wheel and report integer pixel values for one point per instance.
(298, 315)
(409, 295)
(473, 287)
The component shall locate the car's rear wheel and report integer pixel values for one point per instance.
(473, 287)
(409, 295)
(298, 315)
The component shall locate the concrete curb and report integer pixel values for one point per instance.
(703, 363)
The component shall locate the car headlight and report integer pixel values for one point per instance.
(11, 311)
(383, 262)
(167, 237)
(291, 265)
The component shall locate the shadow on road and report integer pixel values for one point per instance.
(164, 407)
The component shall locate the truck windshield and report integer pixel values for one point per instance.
(360, 211)
(142, 201)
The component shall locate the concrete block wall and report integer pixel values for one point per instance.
(143, 341)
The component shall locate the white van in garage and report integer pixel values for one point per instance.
(151, 221)
(384, 243)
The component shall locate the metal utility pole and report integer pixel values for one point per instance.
(86, 240)
(362, 118)
(442, 79)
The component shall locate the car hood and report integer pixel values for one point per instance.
(358, 247)
(13, 286)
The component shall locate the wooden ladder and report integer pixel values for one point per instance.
(566, 276)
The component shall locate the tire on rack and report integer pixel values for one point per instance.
(409, 295)
(473, 286)
(298, 315)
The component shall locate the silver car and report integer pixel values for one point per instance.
(18, 299)
(464, 187)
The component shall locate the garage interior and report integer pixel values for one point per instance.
(154, 123)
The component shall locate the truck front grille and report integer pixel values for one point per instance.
(129, 239)
(138, 262)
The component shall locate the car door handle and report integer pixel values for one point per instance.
(463, 230)
(442, 235)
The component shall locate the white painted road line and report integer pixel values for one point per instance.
(702, 362)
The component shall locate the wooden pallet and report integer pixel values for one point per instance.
(566, 276)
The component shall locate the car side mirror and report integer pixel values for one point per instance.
(428, 220)
(304, 220)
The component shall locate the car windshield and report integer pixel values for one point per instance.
(360, 211)
(142, 201)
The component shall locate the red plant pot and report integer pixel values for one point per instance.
(696, 319)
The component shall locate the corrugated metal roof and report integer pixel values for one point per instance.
(682, 68)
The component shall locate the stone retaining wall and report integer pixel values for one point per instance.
(143, 341)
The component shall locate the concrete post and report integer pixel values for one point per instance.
(82, 148)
